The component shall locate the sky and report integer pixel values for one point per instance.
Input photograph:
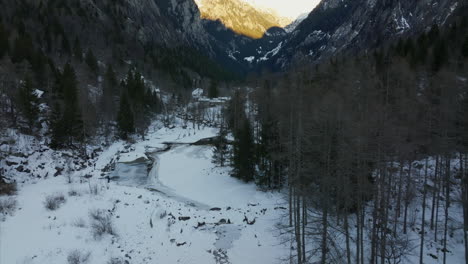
(287, 8)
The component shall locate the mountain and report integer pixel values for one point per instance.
(337, 26)
(241, 17)
(172, 34)
(229, 35)
(291, 27)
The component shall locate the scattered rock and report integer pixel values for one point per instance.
(200, 224)
(222, 221)
(184, 218)
(249, 222)
(11, 163)
(58, 171)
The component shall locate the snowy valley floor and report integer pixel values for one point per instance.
(187, 211)
(182, 210)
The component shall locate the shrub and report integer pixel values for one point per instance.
(162, 215)
(79, 223)
(116, 261)
(93, 189)
(101, 223)
(7, 205)
(73, 192)
(53, 202)
(78, 257)
(7, 188)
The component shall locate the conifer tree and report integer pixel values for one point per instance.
(66, 45)
(109, 93)
(22, 49)
(66, 123)
(213, 90)
(464, 48)
(243, 155)
(56, 126)
(220, 152)
(77, 50)
(91, 61)
(4, 41)
(439, 55)
(125, 117)
(72, 120)
(29, 103)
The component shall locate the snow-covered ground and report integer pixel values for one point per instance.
(186, 211)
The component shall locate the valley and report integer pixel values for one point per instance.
(233, 131)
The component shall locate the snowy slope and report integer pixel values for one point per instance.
(146, 220)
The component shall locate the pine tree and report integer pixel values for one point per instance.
(29, 103)
(39, 67)
(110, 77)
(67, 125)
(264, 152)
(433, 34)
(66, 45)
(56, 127)
(137, 94)
(22, 49)
(464, 48)
(125, 118)
(439, 55)
(213, 91)
(220, 152)
(152, 101)
(243, 158)
(108, 94)
(4, 41)
(91, 61)
(72, 113)
(77, 50)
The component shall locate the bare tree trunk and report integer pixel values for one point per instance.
(362, 233)
(348, 250)
(290, 200)
(374, 242)
(297, 226)
(398, 206)
(463, 168)
(358, 236)
(400, 186)
(383, 217)
(434, 193)
(439, 186)
(447, 204)
(304, 224)
(423, 218)
(324, 235)
(408, 189)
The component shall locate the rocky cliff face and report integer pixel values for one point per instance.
(241, 17)
(126, 27)
(356, 25)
